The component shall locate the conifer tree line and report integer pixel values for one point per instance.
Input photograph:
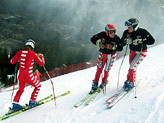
(60, 42)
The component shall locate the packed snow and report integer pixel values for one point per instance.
(148, 107)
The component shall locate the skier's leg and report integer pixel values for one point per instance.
(37, 87)
(100, 65)
(111, 59)
(133, 67)
(15, 105)
(36, 84)
(134, 64)
(20, 91)
(101, 61)
(131, 58)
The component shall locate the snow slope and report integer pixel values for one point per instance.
(148, 107)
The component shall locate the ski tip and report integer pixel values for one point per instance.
(6, 114)
(75, 106)
(109, 107)
(107, 101)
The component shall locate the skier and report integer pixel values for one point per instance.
(109, 43)
(137, 39)
(26, 60)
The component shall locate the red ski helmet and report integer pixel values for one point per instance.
(110, 29)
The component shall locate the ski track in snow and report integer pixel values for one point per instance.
(148, 107)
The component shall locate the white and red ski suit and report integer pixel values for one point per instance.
(26, 60)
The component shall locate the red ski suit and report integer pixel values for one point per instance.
(26, 60)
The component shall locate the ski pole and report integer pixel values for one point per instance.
(102, 82)
(102, 79)
(15, 76)
(136, 71)
(135, 91)
(121, 66)
(51, 84)
(108, 71)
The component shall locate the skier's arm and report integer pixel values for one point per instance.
(149, 40)
(119, 45)
(14, 59)
(39, 59)
(95, 38)
(123, 43)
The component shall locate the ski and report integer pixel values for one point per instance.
(113, 97)
(82, 100)
(26, 107)
(116, 99)
(113, 100)
(88, 98)
(93, 96)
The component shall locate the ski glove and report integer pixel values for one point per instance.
(99, 43)
(40, 54)
(137, 41)
(128, 41)
(110, 46)
(102, 46)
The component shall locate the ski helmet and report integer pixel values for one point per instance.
(110, 29)
(30, 42)
(132, 22)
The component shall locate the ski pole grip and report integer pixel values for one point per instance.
(44, 68)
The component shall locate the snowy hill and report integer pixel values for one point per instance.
(147, 108)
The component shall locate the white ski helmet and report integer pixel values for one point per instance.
(31, 43)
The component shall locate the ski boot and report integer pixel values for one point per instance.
(103, 84)
(16, 107)
(94, 87)
(128, 85)
(33, 103)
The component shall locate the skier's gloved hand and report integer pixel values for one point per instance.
(99, 43)
(137, 41)
(40, 54)
(102, 46)
(128, 41)
(110, 46)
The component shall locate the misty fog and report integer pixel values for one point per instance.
(98, 13)
(91, 15)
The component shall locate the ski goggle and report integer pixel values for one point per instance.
(128, 23)
(110, 31)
